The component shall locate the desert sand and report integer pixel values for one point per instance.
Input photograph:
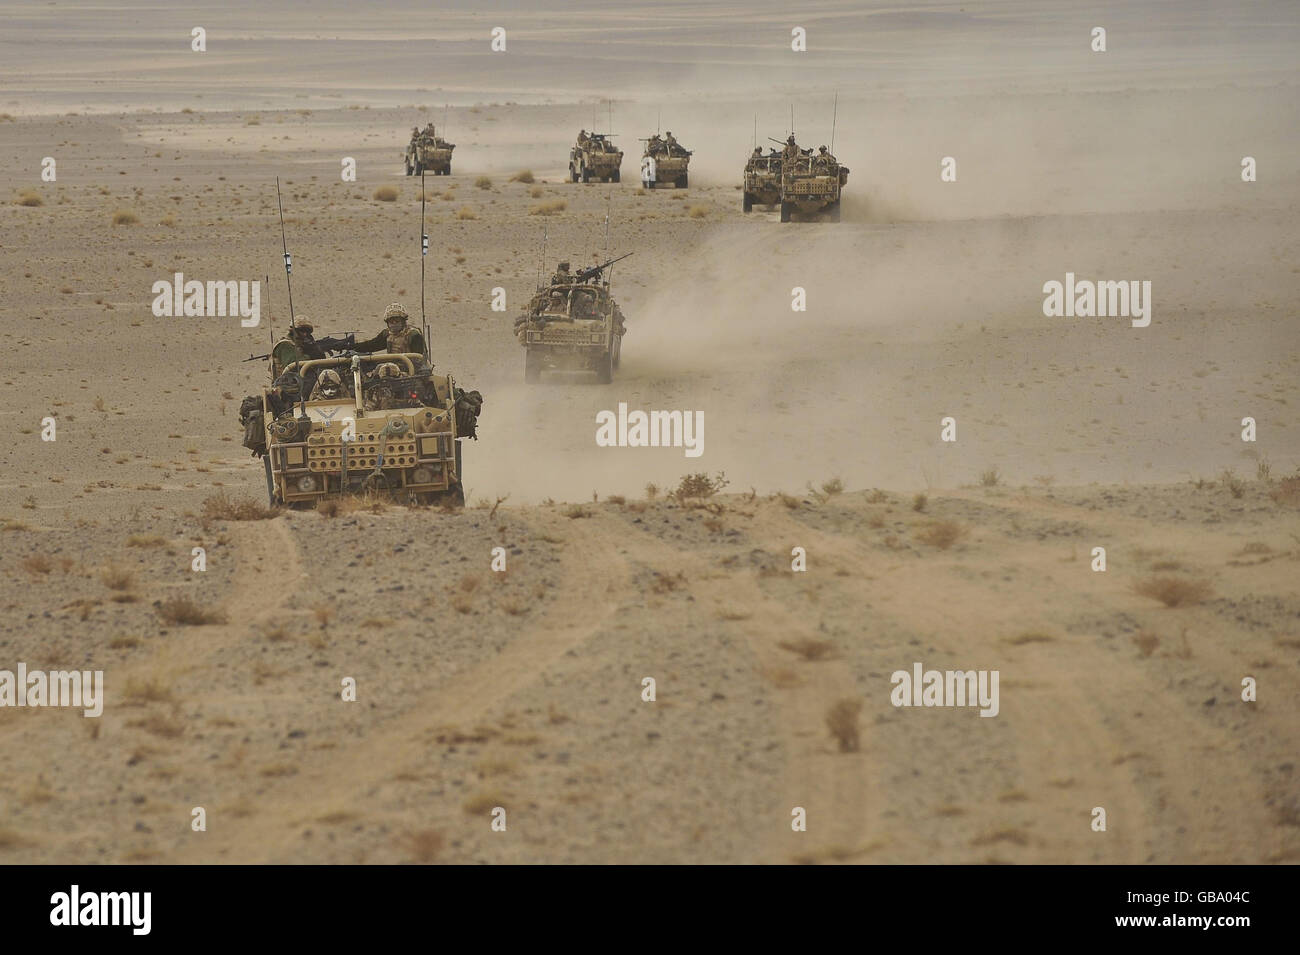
(477, 689)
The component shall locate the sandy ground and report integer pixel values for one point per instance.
(523, 690)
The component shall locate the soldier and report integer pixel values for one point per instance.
(562, 275)
(582, 137)
(328, 386)
(430, 131)
(670, 144)
(415, 132)
(396, 338)
(298, 345)
(382, 393)
(758, 152)
(791, 151)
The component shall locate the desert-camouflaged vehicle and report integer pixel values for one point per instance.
(428, 152)
(671, 161)
(810, 183)
(573, 326)
(397, 435)
(594, 157)
(762, 180)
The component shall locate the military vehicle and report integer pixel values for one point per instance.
(811, 183)
(762, 180)
(573, 324)
(671, 160)
(428, 152)
(594, 157)
(396, 434)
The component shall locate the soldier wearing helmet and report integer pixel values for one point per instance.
(791, 151)
(562, 275)
(297, 345)
(397, 337)
(329, 386)
(383, 392)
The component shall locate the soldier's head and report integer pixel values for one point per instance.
(395, 317)
(822, 150)
(790, 140)
(388, 370)
(668, 132)
(563, 268)
(301, 331)
(330, 384)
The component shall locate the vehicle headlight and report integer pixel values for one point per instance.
(306, 483)
(422, 476)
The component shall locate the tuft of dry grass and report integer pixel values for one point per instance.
(185, 612)
(990, 478)
(523, 175)
(808, 648)
(125, 217)
(146, 540)
(699, 486)
(386, 194)
(842, 721)
(483, 803)
(919, 502)
(1235, 485)
(147, 689)
(29, 197)
(537, 192)
(698, 212)
(664, 583)
(1146, 642)
(465, 212)
(941, 534)
(222, 507)
(832, 487)
(37, 564)
(576, 511)
(483, 182)
(548, 208)
(1174, 591)
(116, 578)
(425, 845)
(1030, 636)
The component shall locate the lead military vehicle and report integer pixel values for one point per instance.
(428, 152)
(671, 160)
(353, 423)
(593, 156)
(762, 180)
(573, 324)
(810, 182)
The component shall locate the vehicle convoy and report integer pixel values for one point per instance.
(671, 160)
(593, 156)
(762, 179)
(810, 182)
(572, 323)
(428, 152)
(355, 423)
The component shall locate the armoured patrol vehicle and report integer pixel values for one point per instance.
(593, 156)
(573, 325)
(428, 152)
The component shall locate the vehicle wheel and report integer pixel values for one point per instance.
(419, 170)
(409, 169)
(681, 183)
(270, 480)
(605, 369)
(747, 203)
(835, 211)
(448, 172)
(532, 367)
(615, 177)
(650, 184)
(618, 351)
(573, 176)
(586, 174)
(785, 212)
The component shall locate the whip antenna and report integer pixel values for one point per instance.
(424, 250)
(834, 113)
(288, 260)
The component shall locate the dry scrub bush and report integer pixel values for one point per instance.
(221, 507)
(842, 721)
(386, 194)
(941, 534)
(548, 208)
(185, 612)
(808, 648)
(523, 175)
(1174, 591)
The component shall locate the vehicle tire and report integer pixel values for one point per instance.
(835, 211)
(573, 175)
(685, 178)
(419, 170)
(448, 172)
(747, 203)
(586, 174)
(605, 369)
(785, 212)
(532, 367)
(618, 352)
(615, 177)
(270, 480)
(409, 168)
